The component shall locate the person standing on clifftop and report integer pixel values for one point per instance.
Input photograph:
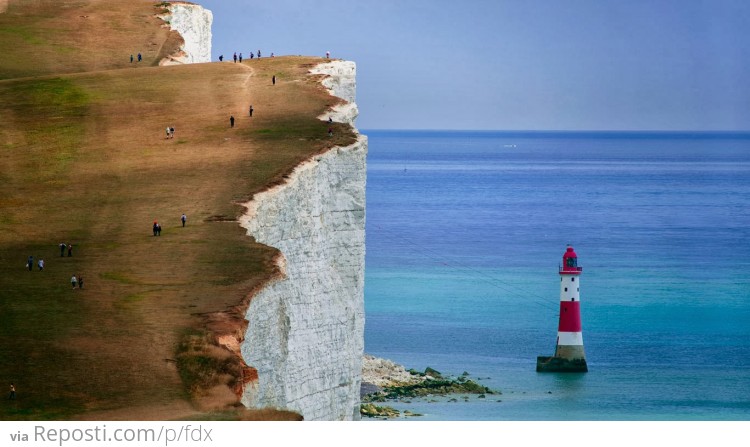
(221, 58)
(70, 250)
(140, 57)
(41, 264)
(12, 395)
(273, 79)
(63, 246)
(30, 263)
(73, 281)
(183, 219)
(235, 57)
(231, 121)
(240, 58)
(131, 58)
(250, 110)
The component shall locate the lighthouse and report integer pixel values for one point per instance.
(569, 355)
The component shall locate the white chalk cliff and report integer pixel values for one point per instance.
(193, 23)
(305, 334)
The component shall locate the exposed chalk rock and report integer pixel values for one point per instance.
(341, 81)
(193, 22)
(305, 332)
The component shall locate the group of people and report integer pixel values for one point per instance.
(40, 264)
(140, 58)
(30, 263)
(76, 280)
(63, 246)
(157, 225)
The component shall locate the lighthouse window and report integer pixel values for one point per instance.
(566, 289)
(572, 279)
(572, 299)
(571, 262)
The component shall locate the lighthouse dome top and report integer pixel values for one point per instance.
(570, 262)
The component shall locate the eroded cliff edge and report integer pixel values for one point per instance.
(305, 334)
(193, 23)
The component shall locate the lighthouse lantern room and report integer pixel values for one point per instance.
(569, 354)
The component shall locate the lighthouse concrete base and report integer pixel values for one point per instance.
(559, 364)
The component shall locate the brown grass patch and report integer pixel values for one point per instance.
(85, 161)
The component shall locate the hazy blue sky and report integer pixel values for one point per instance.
(517, 64)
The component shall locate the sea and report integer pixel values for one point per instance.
(465, 234)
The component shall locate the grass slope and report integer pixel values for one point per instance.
(85, 161)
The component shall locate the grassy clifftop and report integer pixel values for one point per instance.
(85, 161)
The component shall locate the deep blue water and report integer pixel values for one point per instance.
(465, 231)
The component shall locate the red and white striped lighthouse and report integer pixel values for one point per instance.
(569, 354)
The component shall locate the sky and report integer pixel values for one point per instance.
(663, 65)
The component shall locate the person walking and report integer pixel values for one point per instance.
(273, 79)
(156, 227)
(183, 219)
(258, 54)
(235, 57)
(171, 132)
(70, 250)
(80, 282)
(221, 58)
(231, 121)
(240, 58)
(30, 263)
(73, 281)
(63, 246)
(41, 265)
(131, 58)
(250, 110)
(167, 132)
(12, 395)
(140, 58)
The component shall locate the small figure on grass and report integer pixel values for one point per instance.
(74, 281)
(63, 246)
(41, 264)
(30, 263)
(12, 395)
(70, 250)
(183, 219)
(231, 121)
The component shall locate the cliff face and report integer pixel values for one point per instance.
(305, 333)
(193, 23)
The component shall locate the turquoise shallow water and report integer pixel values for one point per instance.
(465, 232)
